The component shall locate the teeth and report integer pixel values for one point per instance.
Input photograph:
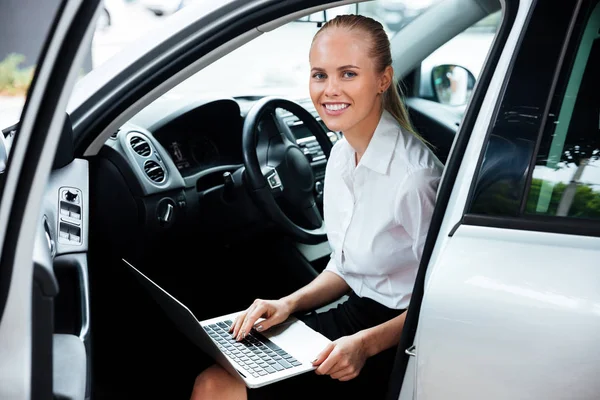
(335, 107)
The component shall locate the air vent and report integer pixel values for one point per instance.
(154, 171)
(140, 146)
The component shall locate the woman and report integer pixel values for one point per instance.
(380, 189)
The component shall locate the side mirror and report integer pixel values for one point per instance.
(452, 84)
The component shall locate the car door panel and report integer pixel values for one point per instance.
(510, 301)
(455, 185)
(67, 224)
(515, 308)
(27, 287)
(44, 290)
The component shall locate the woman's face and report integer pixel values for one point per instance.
(344, 85)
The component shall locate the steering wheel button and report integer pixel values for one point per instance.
(274, 181)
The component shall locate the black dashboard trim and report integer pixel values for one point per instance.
(191, 180)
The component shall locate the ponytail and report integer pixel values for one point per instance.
(392, 103)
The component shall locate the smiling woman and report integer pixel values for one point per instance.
(380, 187)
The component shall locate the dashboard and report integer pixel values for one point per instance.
(204, 137)
(190, 142)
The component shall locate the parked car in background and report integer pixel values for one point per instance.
(156, 156)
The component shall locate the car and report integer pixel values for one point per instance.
(151, 157)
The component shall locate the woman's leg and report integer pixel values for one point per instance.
(216, 383)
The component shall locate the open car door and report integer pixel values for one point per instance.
(43, 218)
(506, 302)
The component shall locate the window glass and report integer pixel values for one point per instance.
(286, 70)
(122, 22)
(468, 49)
(566, 177)
(20, 50)
(529, 100)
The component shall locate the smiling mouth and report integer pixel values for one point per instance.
(336, 106)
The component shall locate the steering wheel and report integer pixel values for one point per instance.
(278, 173)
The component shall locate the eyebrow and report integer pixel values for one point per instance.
(349, 66)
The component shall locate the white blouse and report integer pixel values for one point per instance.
(377, 213)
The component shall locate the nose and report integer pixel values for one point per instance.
(332, 87)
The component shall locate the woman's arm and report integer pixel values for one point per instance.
(344, 358)
(325, 288)
(383, 336)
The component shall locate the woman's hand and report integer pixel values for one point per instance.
(273, 312)
(342, 359)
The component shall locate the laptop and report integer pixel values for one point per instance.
(280, 352)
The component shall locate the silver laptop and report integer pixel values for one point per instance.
(280, 352)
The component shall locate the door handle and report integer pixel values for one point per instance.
(411, 351)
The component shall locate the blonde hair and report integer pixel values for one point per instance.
(382, 55)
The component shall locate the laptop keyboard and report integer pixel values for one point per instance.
(255, 353)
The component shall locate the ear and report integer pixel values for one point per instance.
(386, 79)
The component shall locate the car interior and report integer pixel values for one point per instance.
(217, 197)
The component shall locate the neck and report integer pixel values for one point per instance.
(360, 136)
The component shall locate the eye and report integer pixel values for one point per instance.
(319, 75)
(349, 74)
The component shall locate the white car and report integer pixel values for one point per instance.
(152, 157)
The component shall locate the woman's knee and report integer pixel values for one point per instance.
(216, 383)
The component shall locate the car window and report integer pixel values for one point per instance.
(286, 69)
(20, 49)
(566, 176)
(467, 50)
(546, 127)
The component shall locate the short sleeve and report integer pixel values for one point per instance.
(415, 204)
(332, 267)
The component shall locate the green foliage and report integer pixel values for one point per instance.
(14, 80)
(586, 203)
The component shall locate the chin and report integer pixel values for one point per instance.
(333, 125)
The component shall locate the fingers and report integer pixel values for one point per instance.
(323, 361)
(235, 328)
(253, 314)
(243, 323)
(345, 374)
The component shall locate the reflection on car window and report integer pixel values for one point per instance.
(566, 178)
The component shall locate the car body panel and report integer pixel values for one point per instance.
(520, 312)
(516, 307)
(28, 170)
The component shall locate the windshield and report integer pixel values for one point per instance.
(276, 60)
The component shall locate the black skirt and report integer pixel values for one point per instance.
(354, 315)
